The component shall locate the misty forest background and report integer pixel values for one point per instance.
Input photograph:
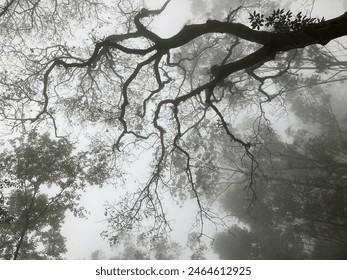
(240, 113)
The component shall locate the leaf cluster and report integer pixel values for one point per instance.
(5, 216)
(281, 21)
(40, 219)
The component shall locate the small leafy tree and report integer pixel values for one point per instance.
(49, 180)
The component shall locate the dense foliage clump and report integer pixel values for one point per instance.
(281, 21)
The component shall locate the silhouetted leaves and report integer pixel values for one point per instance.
(257, 20)
(282, 21)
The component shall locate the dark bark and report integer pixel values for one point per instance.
(273, 42)
(318, 33)
(190, 32)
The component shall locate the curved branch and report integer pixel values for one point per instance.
(142, 29)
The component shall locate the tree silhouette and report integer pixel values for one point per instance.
(172, 97)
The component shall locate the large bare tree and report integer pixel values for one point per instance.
(101, 67)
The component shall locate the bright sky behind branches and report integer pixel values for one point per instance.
(83, 236)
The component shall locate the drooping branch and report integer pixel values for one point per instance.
(273, 43)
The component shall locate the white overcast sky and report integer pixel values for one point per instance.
(83, 236)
